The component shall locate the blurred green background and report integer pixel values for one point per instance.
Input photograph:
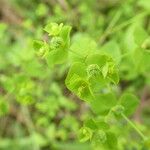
(37, 112)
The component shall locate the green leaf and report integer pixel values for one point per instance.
(25, 99)
(90, 123)
(145, 4)
(99, 138)
(129, 102)
(93, 71)
(102, 125)
(78, 69)
(4, 107)
(82, 46)
(146, 143)
(59, 44)
(117, 110)
(102, 103)
(56, 56)
(105, 70)
(111, 48)
(53, 29)
(80, 87)
(146, 44)
(98, 59)
(114, 76)
(105, 66)
(41, 48)
(140, 35)
(41, 10)
(65, 35)
(105, 140)
(128, 36)
(3, 27)
(85, 134)
(111, 142)
(37, 44)
(77, 83)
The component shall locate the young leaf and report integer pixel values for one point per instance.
(59, 44)
(102, 125)
(65, 35)
(90, 123)
(80, 87)
(56, 56)
(4, 107)
(140, 35)
(78, 69)
(82, 46)
(129, 102)
(111, 48)
(85, 134)
(102, 103)
(99, 138)
(98, 59)
(111, 142)
(114, 76)
(53, 29)
(105, 70)
(41, 48)
(37, 44)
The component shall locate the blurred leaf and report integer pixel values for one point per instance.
(53, 29)
(82, 46)
(129, 102)
(140, 35)
(102, 103)
(4, 107)
(112, 48)
(111, 142)
(85, 134)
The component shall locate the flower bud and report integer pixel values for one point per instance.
(56, 43)
(118, 110)
(99, 137)
(93, 70)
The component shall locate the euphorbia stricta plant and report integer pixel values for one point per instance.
(91, 78)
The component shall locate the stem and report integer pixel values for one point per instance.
(114, 20)
(110, 26)
(134, 126)
(122, 25)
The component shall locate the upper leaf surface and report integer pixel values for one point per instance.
(129, 102)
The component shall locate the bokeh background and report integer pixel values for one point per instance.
(37, 112)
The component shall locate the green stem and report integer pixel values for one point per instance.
(134, 126)
(130, 21)
(122, 25)
(110, 26)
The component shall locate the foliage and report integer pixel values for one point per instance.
(76, 84)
